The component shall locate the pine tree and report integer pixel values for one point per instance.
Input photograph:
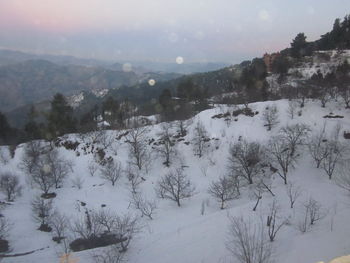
(60, 120)
(298, 46)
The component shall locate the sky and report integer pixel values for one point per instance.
(161, 30)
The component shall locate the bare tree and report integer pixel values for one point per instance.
(175, 186)
(334, 152)
(105, 139)
(293, 193)
(86, 226)
(137, 140)
(134, 179)
(345, 94)
(111, 171)
(223, 190)
(42, 212)
(31, 156)
(106, 219)
(200, 140)
(92, 167)
(59, 224)
(248, 242)
(182, 126)
(111, 254)
(281, 154)
(312, 212)
(343, 178)
(126, 228)
(292, 108)
(270, 116)
(317, 147)
(166, 147)
(59, 167)
(9, 185)
(246, 159)
(274, 223)
(41, 176)
(146, 207)
(295, 135)
(5, 227)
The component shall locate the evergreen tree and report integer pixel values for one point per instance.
(298, 46)
(60, 119)
(32, 129)
(5, 129)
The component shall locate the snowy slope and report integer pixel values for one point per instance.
(182, 234)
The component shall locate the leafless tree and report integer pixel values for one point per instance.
(86, 226)
(223, 190)
(295, 135)
(281, 154)
(106, 219)
(42, 211)
(41, 176)
(200, 139)
(334, 152)
(312, 212)
(9, 185)
(274, 222)
(343, 177)
(246, 159)
(59, 167)
(345, 94)
(59, 224)
(134, 179)
(92, 167)
(292, 108)
(111, 171)
(182, 126)
(111, 254)
(137, 141)
(31, 156)
(248, 242)
(146, 207)
(175, 186)
(126, 228)
(166, 148)
(270, 117)
(5, 227)
(317, 146)
(106, 139)
(4, 155)
(293, 192)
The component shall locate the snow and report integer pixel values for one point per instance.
(182, 234)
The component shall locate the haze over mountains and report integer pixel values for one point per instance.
(28, 78)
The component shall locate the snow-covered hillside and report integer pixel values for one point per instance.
(198, 230)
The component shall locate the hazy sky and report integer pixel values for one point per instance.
(197, 30)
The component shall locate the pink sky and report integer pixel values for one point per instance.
(211, 29)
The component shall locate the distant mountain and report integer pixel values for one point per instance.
(36, 80)
(185, 68)
(8, 57)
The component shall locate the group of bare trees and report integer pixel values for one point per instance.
(327, 151)
(45, 166)
(270, 117)
(102, 222)
(10, 186)
(248, 242)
